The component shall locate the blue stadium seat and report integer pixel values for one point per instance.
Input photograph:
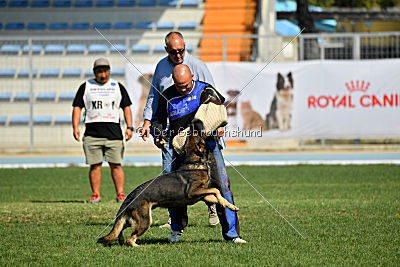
(36, 26)
(5, 96)
(3, 120)
(3, 3)
(147, 3)
(18, 3)
(21, 96)
(83, 3)
(46, 96)
(66, 96)
(189, 3)
(54, 49)
(170, 3)
(72, 73)
(115, 48)
(144, 25)
(7, 73)
(58, 26)
(165, 25)
(1, 26)
(10, 49)
(19, 120)
(80, 26)
(104, 3)
(123, 25)
(159, 49)
(98, 48)
(126, 3)
(188, 25)
(14, 26)
(102, 25)
(40, 3)
(117, 72)
(286, 27)
(140, 48)
(89, 73)
(64, 119)
(50, 73)
(42, 120)
(76, 49)
(36, 49)
(24, 73)
(61, 3)
(189, 48)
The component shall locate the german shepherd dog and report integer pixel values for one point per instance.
(185, 186)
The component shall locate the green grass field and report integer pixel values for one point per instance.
(349, 215)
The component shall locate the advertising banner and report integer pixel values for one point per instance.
(312, 99)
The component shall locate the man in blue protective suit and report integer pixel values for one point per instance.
(177, 54)
(179, 105)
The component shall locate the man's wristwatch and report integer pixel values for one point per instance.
(130, 128)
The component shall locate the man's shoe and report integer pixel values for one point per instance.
(121, 197)
(167, 225)
(95, 198)
(175, 236)
(238, 240)
(212, 215)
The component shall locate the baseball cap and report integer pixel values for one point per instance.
(101, 62)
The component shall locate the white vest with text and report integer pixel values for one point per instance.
(102, 101)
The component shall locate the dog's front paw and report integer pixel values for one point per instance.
(233, 207)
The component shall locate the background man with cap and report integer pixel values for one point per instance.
(102, 98)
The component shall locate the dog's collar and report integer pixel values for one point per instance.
(195, 166)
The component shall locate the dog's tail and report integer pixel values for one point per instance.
(116, 231)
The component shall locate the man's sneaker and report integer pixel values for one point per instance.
(175, 236)
(167, 225)
(212, 215)
(121, 197)
(95, 198)
(238, 240)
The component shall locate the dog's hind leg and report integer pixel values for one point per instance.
(141, 221)
(115, 232)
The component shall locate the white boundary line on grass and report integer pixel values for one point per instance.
(234, 163)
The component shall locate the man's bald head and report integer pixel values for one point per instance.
(182, 77)
(173, 37)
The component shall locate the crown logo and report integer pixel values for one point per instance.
(363, 86)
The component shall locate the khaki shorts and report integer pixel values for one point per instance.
(98, 149)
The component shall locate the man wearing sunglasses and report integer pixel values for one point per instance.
(162, 79)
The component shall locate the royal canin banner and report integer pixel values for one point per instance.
(312, 99)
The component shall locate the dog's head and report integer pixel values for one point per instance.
(284, 84)
(195, 149)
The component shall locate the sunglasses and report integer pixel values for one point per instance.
(175, 52)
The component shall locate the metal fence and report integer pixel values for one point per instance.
(353, 46)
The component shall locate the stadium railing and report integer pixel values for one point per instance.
(50, 62)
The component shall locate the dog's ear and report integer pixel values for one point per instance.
(281, 81)
(200, 144)
(290, 77)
